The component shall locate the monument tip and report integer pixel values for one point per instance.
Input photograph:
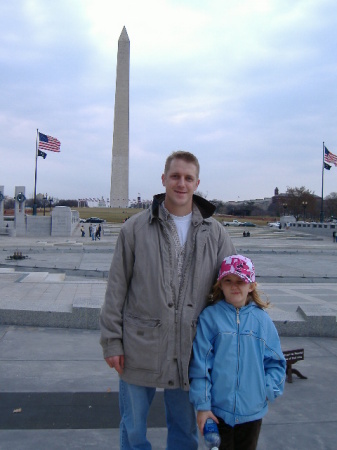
(124, 35)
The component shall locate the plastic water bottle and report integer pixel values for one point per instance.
(211, 435)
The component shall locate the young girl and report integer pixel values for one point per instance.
(237, 364)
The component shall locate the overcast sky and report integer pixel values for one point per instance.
(248, 86)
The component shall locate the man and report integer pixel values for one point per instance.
(164, 265)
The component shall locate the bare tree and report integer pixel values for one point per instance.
(300, 202)
(330, 205)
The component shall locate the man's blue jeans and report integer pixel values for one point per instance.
(134, 404)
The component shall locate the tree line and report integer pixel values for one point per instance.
(41, 201)
(299, 202)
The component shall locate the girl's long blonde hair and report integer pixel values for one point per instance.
(254, 296)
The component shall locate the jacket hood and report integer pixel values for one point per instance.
(205, 207)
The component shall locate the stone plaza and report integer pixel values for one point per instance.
(56, 390)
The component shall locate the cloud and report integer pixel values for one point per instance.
(249, 87)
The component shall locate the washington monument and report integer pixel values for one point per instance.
(119, 191)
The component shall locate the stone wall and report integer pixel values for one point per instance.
(38, 226)
(321, 229)
(62, 221)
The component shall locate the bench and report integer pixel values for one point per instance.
(292, 356)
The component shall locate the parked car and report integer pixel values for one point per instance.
(234, 222)
(94, 220)
(275, 224)
(82, 220)
(247, 224)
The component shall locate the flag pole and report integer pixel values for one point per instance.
(321, 219)
(36, 152)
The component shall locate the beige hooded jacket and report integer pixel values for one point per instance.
(145, 315)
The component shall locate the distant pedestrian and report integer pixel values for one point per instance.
(90, 231)
(237, 365)
(93, 233)
(334, 236)
(82, 231)
(98, 232)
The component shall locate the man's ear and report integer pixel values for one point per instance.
(163, 179)
(198, 182)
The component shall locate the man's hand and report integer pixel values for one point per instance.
(202, 416)
(116, 362)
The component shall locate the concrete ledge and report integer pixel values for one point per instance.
(98, 273)
(309, 320)
(86, 313)
(70, 272)
(84, 318)
(39, 318)
(295, 279)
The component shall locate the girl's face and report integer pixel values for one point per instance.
(235, 290)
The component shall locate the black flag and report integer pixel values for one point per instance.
(43, 154)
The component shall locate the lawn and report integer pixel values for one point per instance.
(118, 215)
(113, 215)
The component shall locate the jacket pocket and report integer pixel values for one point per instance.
(141, 343)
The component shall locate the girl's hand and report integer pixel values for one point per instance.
(202, 416)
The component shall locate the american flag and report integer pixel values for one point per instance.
(329, 157)
(48, 143)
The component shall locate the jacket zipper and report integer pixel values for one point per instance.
(186, 264)
(174, 298)
(238, 354)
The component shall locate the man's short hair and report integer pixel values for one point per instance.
(185, 156)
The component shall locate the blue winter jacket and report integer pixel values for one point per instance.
(237, 364)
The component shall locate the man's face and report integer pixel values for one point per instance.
(181, 181)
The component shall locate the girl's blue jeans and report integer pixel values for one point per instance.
(134, 404)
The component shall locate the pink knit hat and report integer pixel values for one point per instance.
(238, 265)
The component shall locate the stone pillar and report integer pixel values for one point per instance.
(119, 192)
(61, 221)
(19, 214)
